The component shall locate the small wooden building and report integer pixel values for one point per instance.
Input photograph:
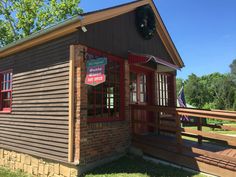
(65, 92)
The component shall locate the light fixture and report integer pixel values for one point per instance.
(84, 29)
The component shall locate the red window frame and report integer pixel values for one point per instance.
(5, 89)
(119, 60)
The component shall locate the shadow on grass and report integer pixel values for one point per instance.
(131, 166)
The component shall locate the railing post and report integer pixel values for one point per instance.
(132, 119)
(199, 127)
(158, 122)
(178, 132)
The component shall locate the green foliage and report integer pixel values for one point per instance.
(233, 66)
(234, 106)
(179, 83)
(20, 18)
(7, 173)
(213, 91)
(194, 91)
(233, 70)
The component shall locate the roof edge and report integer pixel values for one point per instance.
(166, 38)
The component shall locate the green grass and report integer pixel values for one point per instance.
(7, 173)
(217, 130)
(131, 166)
(210, 130)
(213, 121)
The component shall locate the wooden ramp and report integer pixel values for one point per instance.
(209, 152)
(208, 158)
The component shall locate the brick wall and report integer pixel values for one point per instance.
(97, 141)
(35, 166)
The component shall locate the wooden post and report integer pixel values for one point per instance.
(132, 120)
(71, 104)
(199, 127)
(158, 119)
(174, 91)
(178, 133)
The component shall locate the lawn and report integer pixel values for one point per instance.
(218, 130)
(210, 130)
(7, 173)
(130, 166)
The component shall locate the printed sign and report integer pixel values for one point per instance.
(95, 79)
(95, 71)
(96, 62)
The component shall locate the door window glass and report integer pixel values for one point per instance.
(138, 88)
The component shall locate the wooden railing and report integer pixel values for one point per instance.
(175, 114)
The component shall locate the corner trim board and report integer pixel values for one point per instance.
(71, 104)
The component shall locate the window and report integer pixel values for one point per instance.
(138, 87)
(165, 89)
(106, 100)
(5, 91)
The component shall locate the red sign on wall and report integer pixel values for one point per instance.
(95, 79)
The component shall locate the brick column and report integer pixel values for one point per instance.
(127, 92)
(80, 101)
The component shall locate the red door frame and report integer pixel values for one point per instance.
(150, 89)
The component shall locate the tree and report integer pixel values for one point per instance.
(20, 18)
(193, 91)
(233, 70)
(233, 75)
(234, 106)
(213, 91)
(179, 83)
(223, 89)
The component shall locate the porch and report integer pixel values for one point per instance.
(159, 133)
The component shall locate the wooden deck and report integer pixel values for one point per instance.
(211, 159)
(208, 152)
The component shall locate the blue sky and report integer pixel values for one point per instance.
(204, 31)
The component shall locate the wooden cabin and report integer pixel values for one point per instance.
(81, 93)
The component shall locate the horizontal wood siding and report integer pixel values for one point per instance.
(38, 124)
(119, 35)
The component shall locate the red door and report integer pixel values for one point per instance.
(141, 93)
